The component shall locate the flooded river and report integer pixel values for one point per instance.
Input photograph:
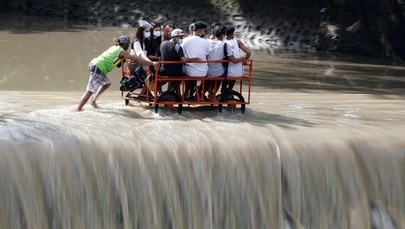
(322, 144)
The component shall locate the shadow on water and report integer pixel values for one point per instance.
(209, 114)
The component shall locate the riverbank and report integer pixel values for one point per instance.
(335, 26)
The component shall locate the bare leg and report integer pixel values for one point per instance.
(98, 93)
(84, 99)
(214, 87)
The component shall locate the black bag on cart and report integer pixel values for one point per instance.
(136, 80)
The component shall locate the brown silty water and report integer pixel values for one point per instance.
(320, 146)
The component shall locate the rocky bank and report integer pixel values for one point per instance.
(369, 27)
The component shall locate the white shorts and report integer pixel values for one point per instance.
(96, 79)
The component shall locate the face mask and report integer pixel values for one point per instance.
(180, 41)
(156, 33)
(146, 35)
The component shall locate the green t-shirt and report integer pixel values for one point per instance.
(105, 62)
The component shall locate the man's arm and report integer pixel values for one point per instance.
(229, 52)
(126, 55)
(139, 51)
(153, 57)
(236, 60)
(183, 58)
(244, 49)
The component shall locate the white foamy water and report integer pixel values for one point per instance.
(320, 146)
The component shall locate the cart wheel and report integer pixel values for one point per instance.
(232, 96)
(156, 108)
(169, 96)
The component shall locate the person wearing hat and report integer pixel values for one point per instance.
(100, 66)
(172, 51)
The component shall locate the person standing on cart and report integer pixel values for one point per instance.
(100, 66)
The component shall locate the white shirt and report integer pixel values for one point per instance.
(196, 46)
(216, 52)
(138, 51)
(235, 69)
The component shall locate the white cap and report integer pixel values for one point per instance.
(177, 32)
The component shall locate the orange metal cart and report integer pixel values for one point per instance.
(176, 98)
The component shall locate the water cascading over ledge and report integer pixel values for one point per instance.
(196, 181)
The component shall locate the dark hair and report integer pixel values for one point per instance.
(230, 30)
(138, 36)
(153, 45)
(213, 25)
(200, 25)
(219, 30)
(125, 46)
(155, 24)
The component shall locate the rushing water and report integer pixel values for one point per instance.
(320, 146)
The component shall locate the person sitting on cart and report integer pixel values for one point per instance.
(154, 42)
(166, 32)
(139, 48)
(172, 51)
(234, 69)
(196, 46)
(219, 50)
(100, 66)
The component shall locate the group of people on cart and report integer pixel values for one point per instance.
(154, 45)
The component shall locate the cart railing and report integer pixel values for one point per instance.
(215, 97)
